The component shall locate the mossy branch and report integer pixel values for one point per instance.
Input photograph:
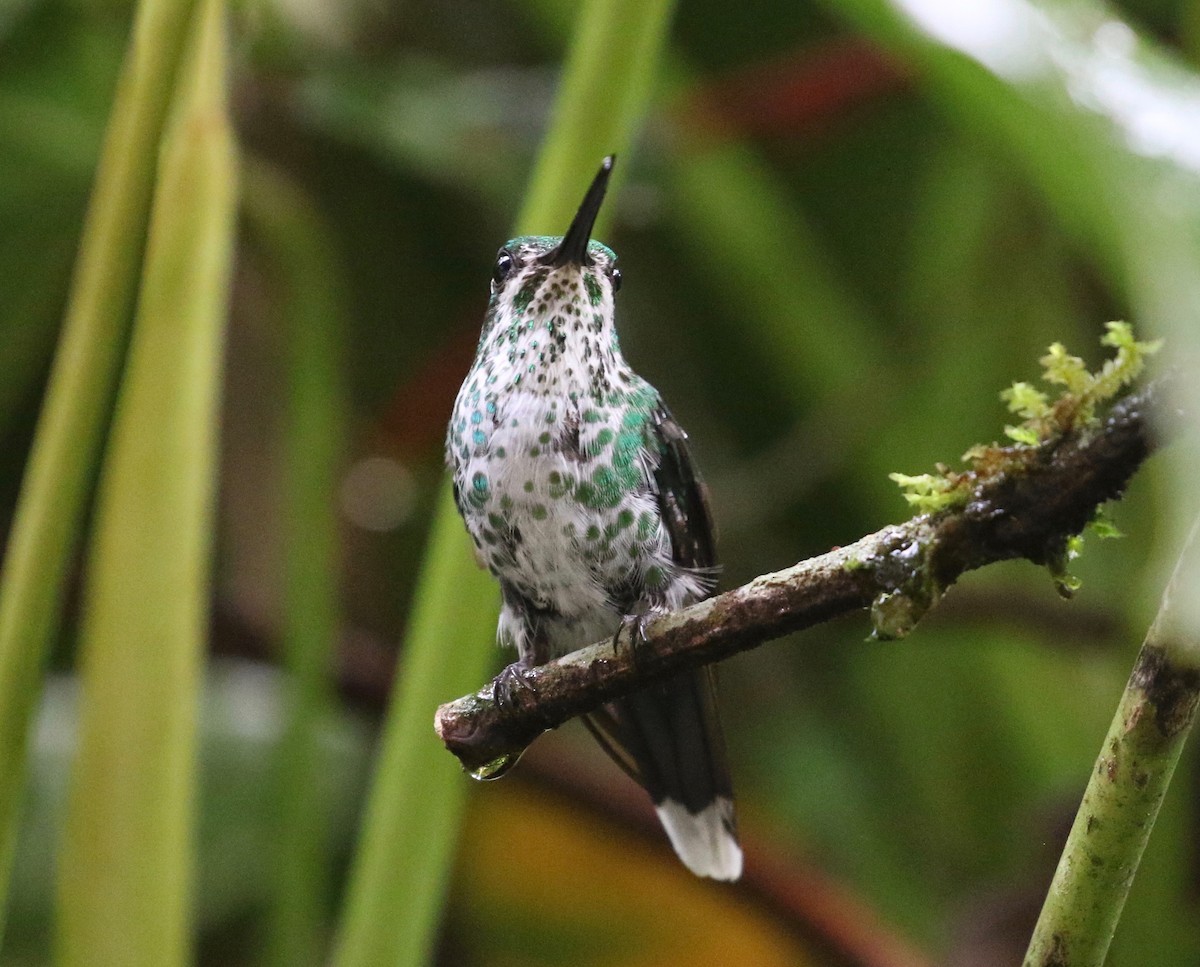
(1024, 502)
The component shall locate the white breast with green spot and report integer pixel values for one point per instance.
(553, 460)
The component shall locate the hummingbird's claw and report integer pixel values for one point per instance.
(510, 684)
(633, 626)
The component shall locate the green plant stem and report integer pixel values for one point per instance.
(126, 863)
(416, 803)
(313, 313)
(78, 401)
(1124, 793)
(411, 826)
(614, 58)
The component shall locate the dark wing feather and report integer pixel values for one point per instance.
(682, 496)
(668, 738)
(683, 500)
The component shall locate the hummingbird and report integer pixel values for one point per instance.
(578, 489)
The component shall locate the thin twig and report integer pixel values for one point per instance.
(1026, 506)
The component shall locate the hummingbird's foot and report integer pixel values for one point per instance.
(633, 629)
(511, 687)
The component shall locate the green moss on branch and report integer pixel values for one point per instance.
(1042, 420)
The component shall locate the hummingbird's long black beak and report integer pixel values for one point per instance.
(572, 250)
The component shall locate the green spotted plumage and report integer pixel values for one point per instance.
(578, 491)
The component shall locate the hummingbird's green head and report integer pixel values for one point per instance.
(549, 326)
(547, 267)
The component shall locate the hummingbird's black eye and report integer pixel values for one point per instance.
(614, 276)
(505, 263)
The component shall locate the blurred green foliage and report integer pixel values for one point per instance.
(845, 226)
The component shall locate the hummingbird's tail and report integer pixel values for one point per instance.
(668, 738)
(704, 840)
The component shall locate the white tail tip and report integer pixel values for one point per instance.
(703, 840)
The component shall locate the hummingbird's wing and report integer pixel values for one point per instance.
(683, 501)
(668, 737)
(682, 497)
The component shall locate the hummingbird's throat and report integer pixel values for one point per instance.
(545, 287)
(553, 333)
